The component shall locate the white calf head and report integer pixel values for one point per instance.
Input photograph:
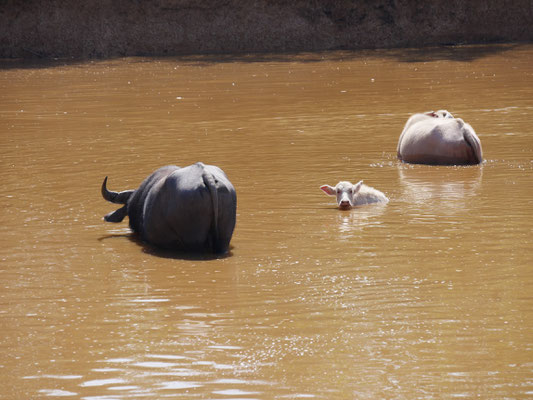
(345, 192)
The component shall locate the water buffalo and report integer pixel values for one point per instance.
(349, 195)
(187, 209)
(437, 138)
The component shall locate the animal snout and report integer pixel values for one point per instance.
(344, 204)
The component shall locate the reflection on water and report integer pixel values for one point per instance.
(358, 219)
(427, 296)
(450, 189)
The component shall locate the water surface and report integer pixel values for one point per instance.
(430, 296)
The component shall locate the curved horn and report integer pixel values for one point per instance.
(115, 197)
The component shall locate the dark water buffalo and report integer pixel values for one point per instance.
(437, 138)
(187, 209)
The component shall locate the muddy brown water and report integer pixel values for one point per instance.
(430, 296)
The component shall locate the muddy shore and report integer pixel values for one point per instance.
(113, 28)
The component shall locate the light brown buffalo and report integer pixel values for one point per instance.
(437, 138)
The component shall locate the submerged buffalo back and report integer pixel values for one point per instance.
(439, 140)
(192, 208)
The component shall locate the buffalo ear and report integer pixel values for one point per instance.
(357, 187)
(117, 215)
(328, 190)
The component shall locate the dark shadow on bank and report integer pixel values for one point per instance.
(448, 52)
(166, 253)
(452, 52)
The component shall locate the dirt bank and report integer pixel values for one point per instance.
(109, 28)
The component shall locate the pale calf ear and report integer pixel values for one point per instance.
(357, 187)
(328, 190)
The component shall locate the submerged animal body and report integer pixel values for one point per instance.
(349, 195)
(187, 209)
(438, 138)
